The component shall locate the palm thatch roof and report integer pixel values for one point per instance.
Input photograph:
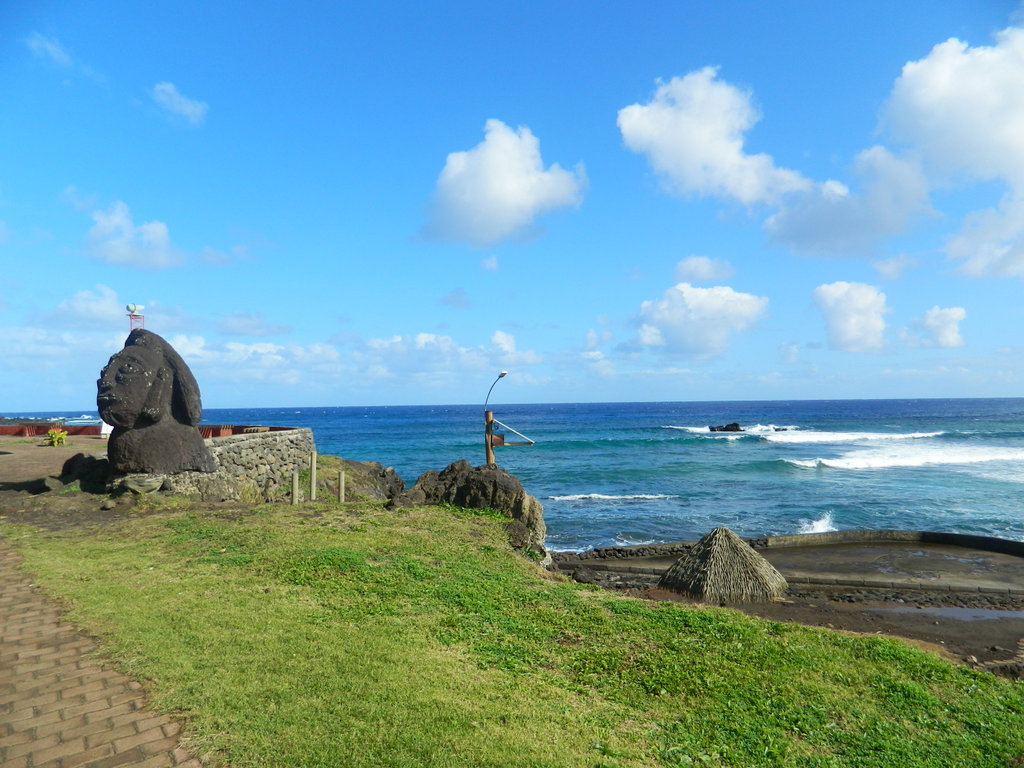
(723, 568)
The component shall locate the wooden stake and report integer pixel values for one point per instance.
(312, 476)
(488, 433)
(295, 489)
(341, 486)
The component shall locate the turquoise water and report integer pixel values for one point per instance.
(632, 473)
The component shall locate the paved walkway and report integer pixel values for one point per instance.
(59, 709)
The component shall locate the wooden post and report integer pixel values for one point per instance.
(341, 485)
(295, 488)
(488, 432)
(312, 476)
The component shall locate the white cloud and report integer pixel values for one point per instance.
(79, 202)
(853, 315)
(941, 327)
(496, 190)
(788, 352)
(828, 219)
(49, 48)
(962, 109)
(692, 133)
(699, 269)
(490, 263)
(698, 321)
(99, 310)
(893, 268)
(991, 242)
(115, 239)
(505, 343)
(168, 98)
(425, 358)
(249, 324)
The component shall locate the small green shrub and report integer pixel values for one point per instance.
(55, 437)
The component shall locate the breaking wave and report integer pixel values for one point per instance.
(605, 497)
(905, 457)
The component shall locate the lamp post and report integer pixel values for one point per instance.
(489, 422)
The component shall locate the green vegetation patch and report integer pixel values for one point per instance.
(358, 636)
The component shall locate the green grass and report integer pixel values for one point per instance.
(358, 636)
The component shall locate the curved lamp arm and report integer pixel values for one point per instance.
(501, 375)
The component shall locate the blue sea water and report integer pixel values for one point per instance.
(633, 473)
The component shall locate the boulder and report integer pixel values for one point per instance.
(483, 487)
(734, 427)
(365, 479)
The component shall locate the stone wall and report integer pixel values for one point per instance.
(251, 467)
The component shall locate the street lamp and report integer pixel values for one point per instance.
(501, 375)
(489, 422)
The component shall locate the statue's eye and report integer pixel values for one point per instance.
(128, 368)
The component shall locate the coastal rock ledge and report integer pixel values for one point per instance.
(482, 487)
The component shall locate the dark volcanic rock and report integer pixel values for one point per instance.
(485, 487)
(368, 479)
(150, 397)
(734, 427)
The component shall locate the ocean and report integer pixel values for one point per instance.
(636, 473)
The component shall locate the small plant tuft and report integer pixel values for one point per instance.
(55, 437)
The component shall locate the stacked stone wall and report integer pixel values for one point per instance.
(268, 459)
(250, 467)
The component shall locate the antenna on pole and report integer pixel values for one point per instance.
(135, 316)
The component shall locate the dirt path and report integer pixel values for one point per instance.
(29, 458)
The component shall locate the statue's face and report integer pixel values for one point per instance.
(124, 386)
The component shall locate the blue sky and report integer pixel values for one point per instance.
(390, 202)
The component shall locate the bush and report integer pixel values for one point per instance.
(56, 437)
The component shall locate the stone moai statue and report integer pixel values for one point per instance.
(151, 399)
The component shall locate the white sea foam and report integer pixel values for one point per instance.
(604, 497)
(823, 524)
(912, 456)
(753, 429)
(800, 436)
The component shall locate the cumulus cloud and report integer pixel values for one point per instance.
(505, 343)
(115, 239)
(289, 365)
(940, 327)
(962, 109)
(250, 324)
(697, 321)
(426, 358)
(991, 242)
(693, 131)
(496, 190)
(700, 269)
(90, 310)
(168, 98)
(854, 315)
(828, 219)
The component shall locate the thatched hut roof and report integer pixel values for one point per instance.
(723, 568)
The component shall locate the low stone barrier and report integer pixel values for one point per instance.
(251, 467)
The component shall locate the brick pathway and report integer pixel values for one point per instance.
(59, 709)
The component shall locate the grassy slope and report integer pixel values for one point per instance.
(363, 637)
